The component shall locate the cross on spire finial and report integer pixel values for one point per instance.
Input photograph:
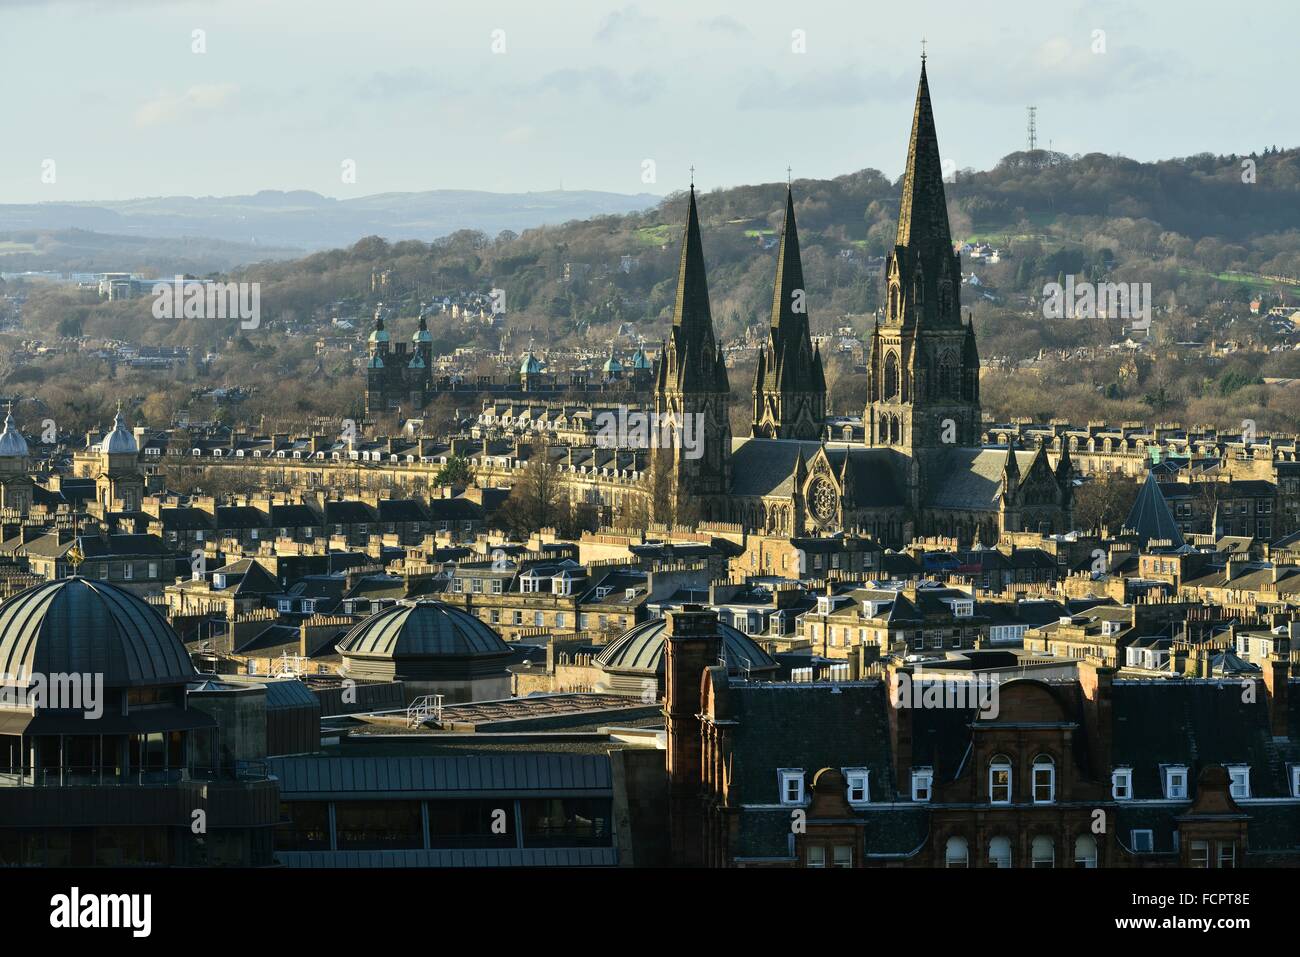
(692, 176)
(922, 49)
(788, 180)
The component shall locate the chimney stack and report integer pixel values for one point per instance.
(693, 643)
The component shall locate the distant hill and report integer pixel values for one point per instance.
(308, 221)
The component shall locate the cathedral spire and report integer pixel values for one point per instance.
(691, 308)
(789, 312)
(694, 360)
(923, 216)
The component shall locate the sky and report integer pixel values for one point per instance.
(109, 100)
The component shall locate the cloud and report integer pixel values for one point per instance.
(395, 84)
(634, 88)
(726, 24)
(197, 100)
(835, 88)
(628, 22)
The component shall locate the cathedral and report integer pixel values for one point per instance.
(920, 469)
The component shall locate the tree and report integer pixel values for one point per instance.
(537, 500)
(457, 472)
(1105, 499)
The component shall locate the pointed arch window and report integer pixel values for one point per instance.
(949, 377)
(893, 300)
(891, 376)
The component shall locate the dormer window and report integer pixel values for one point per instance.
(1239, 776)
(1121, 784)
(1000, 780)
(1176, 782)
(1044, 780)
(859, 791)
(922, 784)
(791, 785)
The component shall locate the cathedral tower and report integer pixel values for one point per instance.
(923, 367)
(691, 380)
(789, 385)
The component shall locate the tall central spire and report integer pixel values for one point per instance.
(923, 216)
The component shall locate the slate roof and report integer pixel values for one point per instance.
(971, 479)
(766, 467)
(1194, 723)
(1150, 516)
(851, 730)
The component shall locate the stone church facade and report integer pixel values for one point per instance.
(921, 469)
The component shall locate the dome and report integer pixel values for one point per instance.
(12, 443)
(641, 651)
(84, 626)
(422, 629)
(120, 440)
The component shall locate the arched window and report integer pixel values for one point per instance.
(1044, 854)
(1044, 780)
(956, 853)
(1000, 852)
(949, 377)
(1085, 851)
(1000, 780)
(893, 301)
(891, 376)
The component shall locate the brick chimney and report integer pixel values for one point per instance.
(693, 643)
(1276, 672)
(1096, 681)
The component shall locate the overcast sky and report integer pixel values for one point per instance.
(585, 92)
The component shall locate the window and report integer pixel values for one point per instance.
(559, 619)
(1044, 780)
(128, 571)
(476, 585)
(956, 853)
(1199, 855)
(285, 605)
(457, 585)
(1044, 854)
(815, 855)
(1176, 783)
(791, 786)
(496, 586)
(308, 606)
(1240, 777)
(1000, 852)
(922, 781)
(1295, 780)
(1227, 853)
(842, 855)
(1000, 781)
(1085, 851)
(1143, 842)
(539, 619)
(1121, 784)
(858, 789)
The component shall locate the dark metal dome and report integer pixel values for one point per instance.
(84, 626)
(641, 651)
(422, 629)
